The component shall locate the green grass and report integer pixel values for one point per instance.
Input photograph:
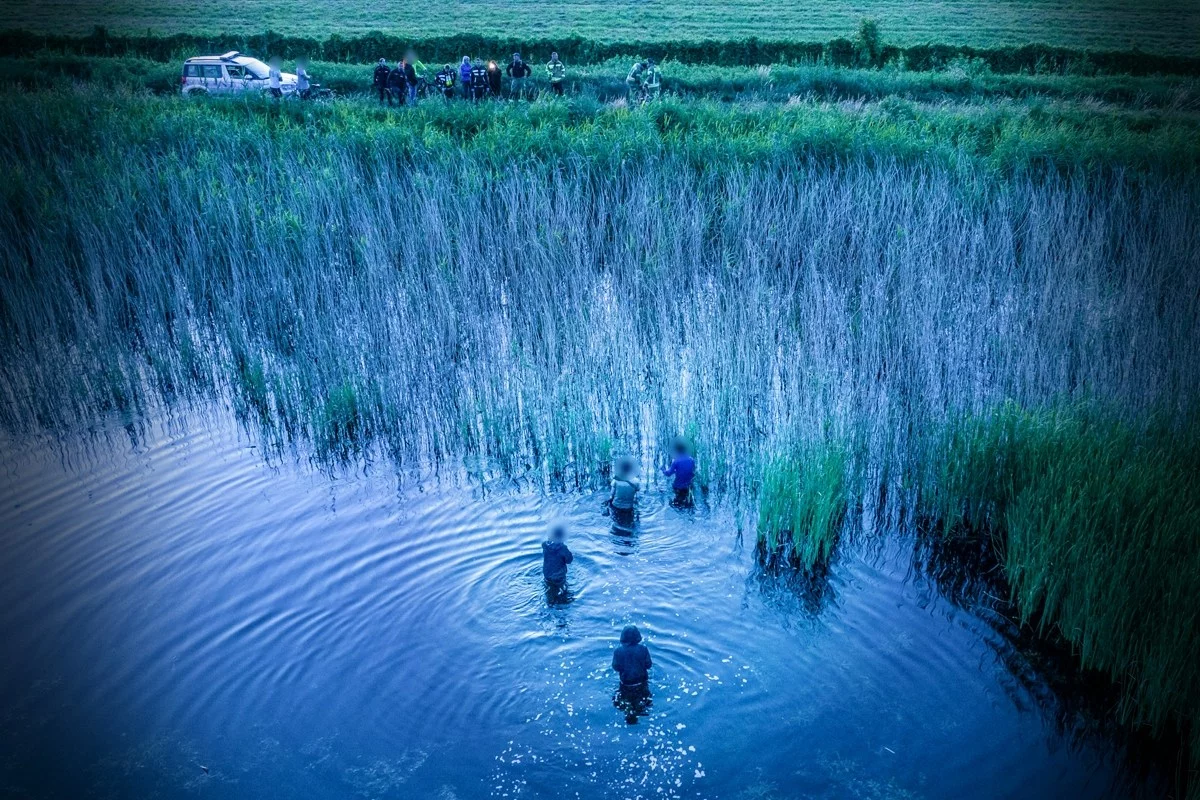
(1153, 26)
(961, 82)
(1098, 519)
(802, 502)
(1002, 134)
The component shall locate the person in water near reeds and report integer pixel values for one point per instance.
(623, 498)
(681, 471)
(631, 660)
(555, 558)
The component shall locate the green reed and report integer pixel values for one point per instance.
(1096, 518)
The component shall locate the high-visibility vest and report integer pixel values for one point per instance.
(556, 70)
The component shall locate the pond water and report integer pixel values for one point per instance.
(183, 617)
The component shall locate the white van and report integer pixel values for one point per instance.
(232, 73)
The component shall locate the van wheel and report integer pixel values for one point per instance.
(197, 92)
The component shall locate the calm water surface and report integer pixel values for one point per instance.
(181, 618)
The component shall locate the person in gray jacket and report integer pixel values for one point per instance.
(623, 498)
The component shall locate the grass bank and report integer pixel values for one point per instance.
(960, 82)
(1005, 136)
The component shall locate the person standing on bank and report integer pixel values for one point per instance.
(397, 84)
(380, 80)
(464, 77)
(410, 78)
(517, 71)
(493, 80)
(303, 85)
(557, 72)
(275, 79)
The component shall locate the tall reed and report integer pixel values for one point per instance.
(524, 291)
(1097, 519)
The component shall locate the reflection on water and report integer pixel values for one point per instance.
(633, 701)
(182, 617)
(558, 594)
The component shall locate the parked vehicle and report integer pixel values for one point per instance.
(232, 73)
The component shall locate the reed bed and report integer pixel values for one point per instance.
(817, 301)
(1095, 519)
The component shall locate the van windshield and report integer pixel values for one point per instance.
(255, 67)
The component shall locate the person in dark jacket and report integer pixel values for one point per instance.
(380, 80)
(555, 558)
(410, 78)
(682, 471)
(493, 79)
(479, 81)
(631, 660)
(397, 84)
(556, 555)
(445, 81)
(517, 71)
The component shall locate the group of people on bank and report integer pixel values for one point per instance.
(631, 659)
(477, 79)
(470, 79)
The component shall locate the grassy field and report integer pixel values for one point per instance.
(1161, 26)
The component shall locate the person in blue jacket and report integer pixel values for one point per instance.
(631, 660)
(682, 471)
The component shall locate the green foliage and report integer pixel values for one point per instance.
(1006, 136)
(1098, 518)
(802, 502)
(870, 47)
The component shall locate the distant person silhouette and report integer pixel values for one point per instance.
(682, 470)
(631, 660)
